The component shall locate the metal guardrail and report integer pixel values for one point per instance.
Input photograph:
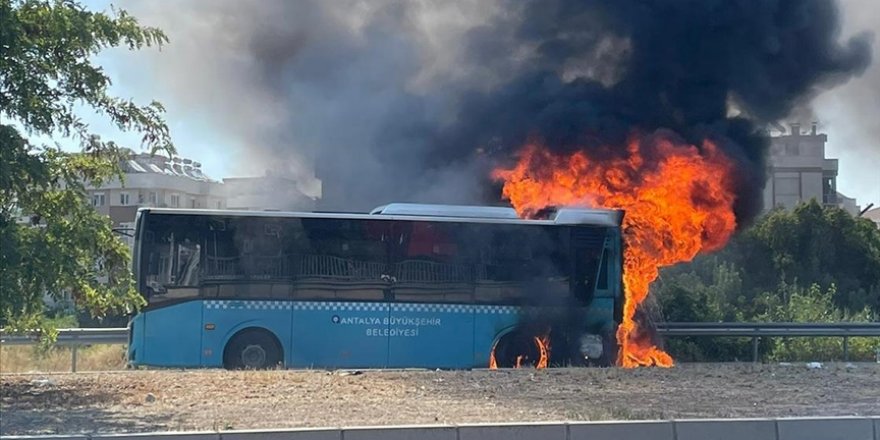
(78, 337)
(784, 329)
(757, 330)
(73, 338)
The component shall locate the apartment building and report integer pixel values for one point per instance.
(798, 171)
(156, 181)
(159, 181)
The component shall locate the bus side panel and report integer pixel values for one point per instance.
(173, 335)
(231, 316)
(431, 335)
(490, 323)
(600, 316)
(136, 340)
(340, 334)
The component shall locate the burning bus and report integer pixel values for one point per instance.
(406, 285)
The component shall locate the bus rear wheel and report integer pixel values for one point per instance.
(252, 350)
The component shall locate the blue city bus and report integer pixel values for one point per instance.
(404, 286)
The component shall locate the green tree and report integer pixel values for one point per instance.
(710, 290)
(47, 77)
(813, 245)
(756, 278)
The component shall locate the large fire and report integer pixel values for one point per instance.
(678, 201)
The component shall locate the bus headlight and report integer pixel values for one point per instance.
(591, 346)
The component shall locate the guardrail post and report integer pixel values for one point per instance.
(74, 346)
(846, 348)
(755, 349)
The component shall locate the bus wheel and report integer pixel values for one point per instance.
(252, 350)
(517, 350)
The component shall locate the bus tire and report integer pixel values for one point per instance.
(252, 349)
(609, 350)
(515, 344)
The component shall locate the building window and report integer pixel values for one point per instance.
(829, 191)
(174, 200)
(792, 149)
(788, 186)
(140, 198)
(124, 199)
(192, 202)
(153, 198)
(787, 191)
(98, 199)
(219, 204)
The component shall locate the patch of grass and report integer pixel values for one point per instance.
(23, 359)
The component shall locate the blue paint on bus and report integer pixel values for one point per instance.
(230, 317)
(326, 334)
(171, 335)
(339, 334)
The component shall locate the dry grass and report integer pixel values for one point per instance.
(23, 359)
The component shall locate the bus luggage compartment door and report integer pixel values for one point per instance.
(431, 335)
(340, 334)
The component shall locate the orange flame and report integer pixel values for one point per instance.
(543, 345)
(678, 201)
(544, 348)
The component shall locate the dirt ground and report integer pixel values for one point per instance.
(135, 401)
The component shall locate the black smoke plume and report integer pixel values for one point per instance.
(397, 100)
(704, 69)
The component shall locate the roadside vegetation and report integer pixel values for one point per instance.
(52, 241)
(812, 264)
(27, 359)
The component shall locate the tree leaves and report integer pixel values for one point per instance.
(51, 239)
(812, 264)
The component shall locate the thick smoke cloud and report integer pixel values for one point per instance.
(686, 64)
(415, 101)
(848, 115)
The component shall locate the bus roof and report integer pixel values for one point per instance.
(431, 212)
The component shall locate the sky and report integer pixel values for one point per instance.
(848, 114)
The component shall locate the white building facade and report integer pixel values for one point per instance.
(156, 181)
(798, 171)
(159, 181)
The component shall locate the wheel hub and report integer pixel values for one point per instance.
(253, 356)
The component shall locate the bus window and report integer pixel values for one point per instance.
(247, 252)
(432, 262)
(602, 283)
(589, 265)
(173, 249)
(523, 265)
(341, 259)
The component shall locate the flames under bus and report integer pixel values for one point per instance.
(406, 285)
